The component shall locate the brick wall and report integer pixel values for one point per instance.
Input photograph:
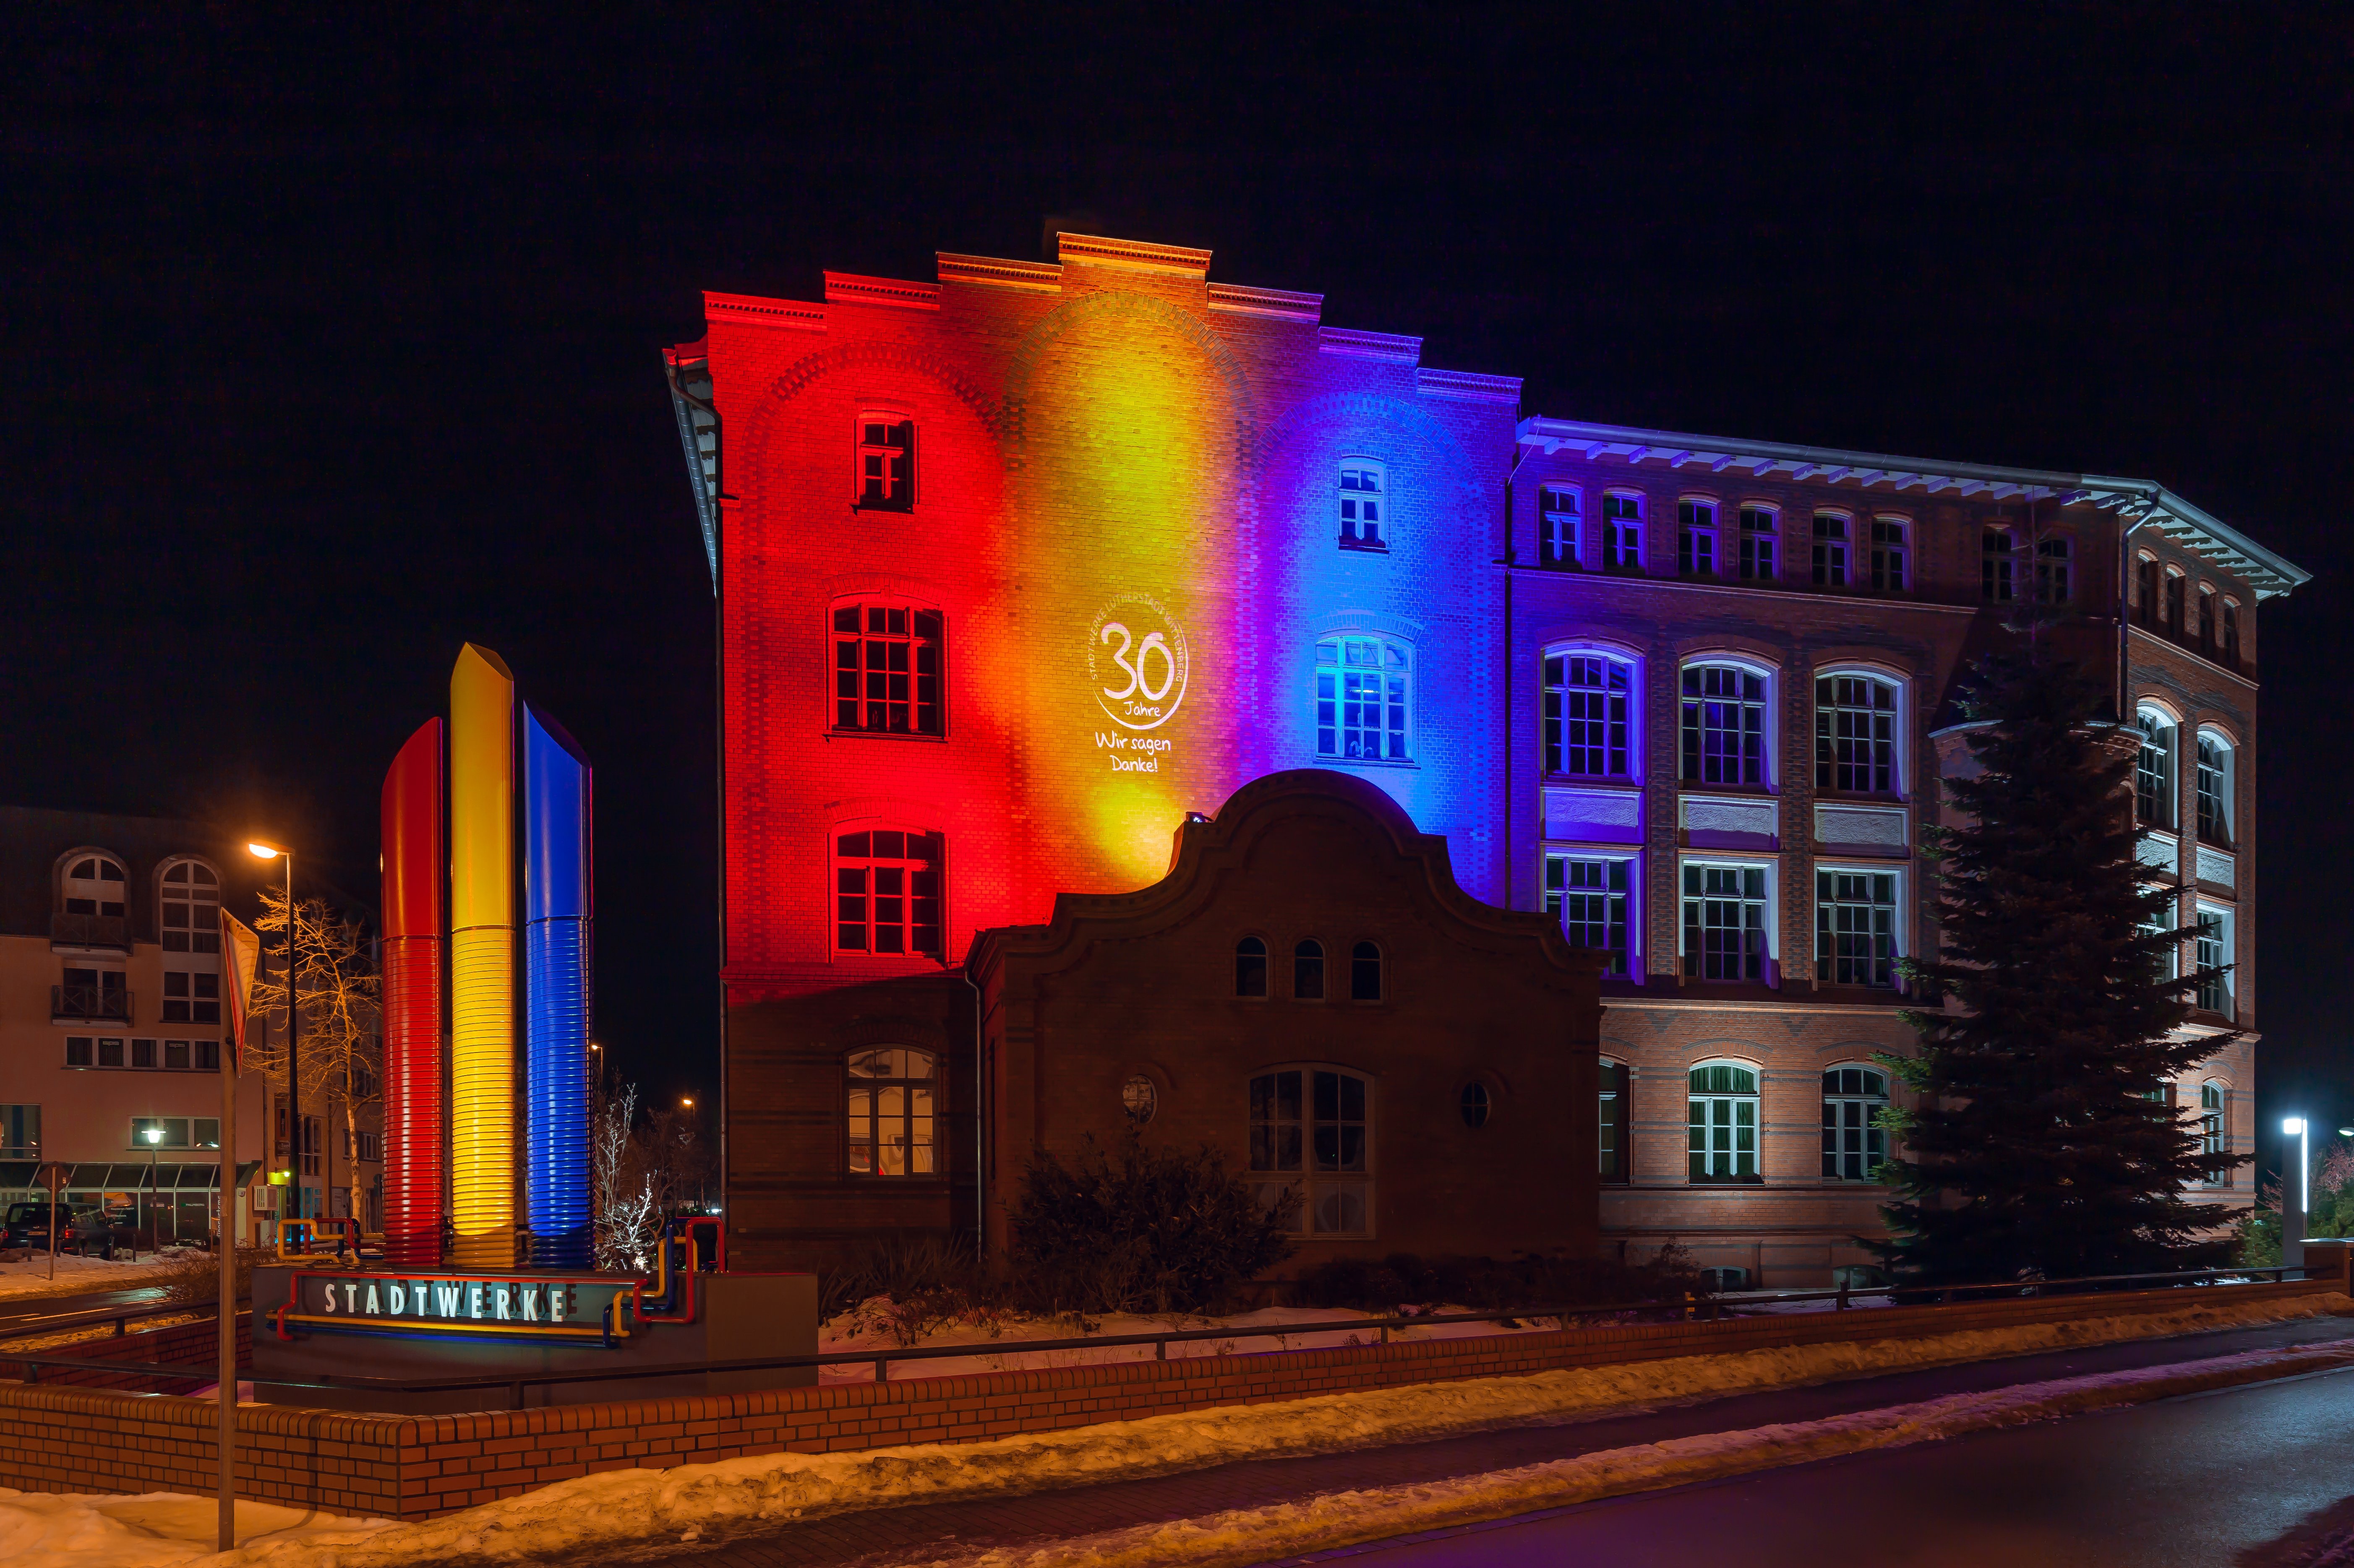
(70, 1439)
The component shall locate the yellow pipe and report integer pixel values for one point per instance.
(482, 960)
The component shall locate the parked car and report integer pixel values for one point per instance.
(81, 1227)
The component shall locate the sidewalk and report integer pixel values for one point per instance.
(888, 1535)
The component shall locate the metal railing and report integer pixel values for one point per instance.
(109, 931)
(121, 1317)
(90, 1003)
(1689, 1309)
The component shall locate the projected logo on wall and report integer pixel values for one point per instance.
(1139, 666)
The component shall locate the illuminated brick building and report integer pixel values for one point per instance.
(1019, 567)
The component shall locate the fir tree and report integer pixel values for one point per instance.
(2043, 1142)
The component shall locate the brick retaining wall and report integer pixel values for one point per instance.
(89, 1439)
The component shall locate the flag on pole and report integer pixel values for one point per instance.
(242, 948)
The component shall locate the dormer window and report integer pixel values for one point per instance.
(886, 462)
(93, 885)
(1362, 482)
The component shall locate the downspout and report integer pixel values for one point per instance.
(979, 1123)
(1519, 455)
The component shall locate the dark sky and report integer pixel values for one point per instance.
(331, 347)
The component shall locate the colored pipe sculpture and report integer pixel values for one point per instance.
(412, 1000)
(557, 903)
(482, 960)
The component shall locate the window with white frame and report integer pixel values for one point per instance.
(887, 892)
(1696, 538)
(2214, 952)
(2214, 1130)
(1622, 531)
(1557, 517)
(1759, 526)
(2214, 789)
(1994, 566)
(2165, 961)
(1725, 922)
(1588, 705)
(93, 884)
(1853, 1142)
(1362, 484)
(1855, 927)
(1615, 1080)
(1589, 894)
(191, 906)
(1311, 1135)
(1724, 1123)
(887, 668)
(893, 1111)
(1723, 714)
(886, 462)
(1891, 554)
(1363, 695)
(1855, 734)
(1830, 549)
(2154, 770)
(2054, 570)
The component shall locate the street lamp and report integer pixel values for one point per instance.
(262, 849)
(2293, 1237)
(155, 1136)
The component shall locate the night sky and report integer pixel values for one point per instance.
(330, 349)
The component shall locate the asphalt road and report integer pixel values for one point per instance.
(2247, 1477)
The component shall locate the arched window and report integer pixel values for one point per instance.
(887, 893)
(1364, 694)
(2214, 1131)
(2175, 614)
(1588, 705)
(1855, 734)
(1250, 967)
(1723, 1145)
(2212, 946)
(1475, 1105)
(1312, 1134)
(1853, 1143)
(2146, 598)
(1723, 725)
(1307, 970)
(93, 884)
(1366, 972)
(191, 905)
(2232, 631)
(893, 1112)
(1139, 1098)
(887, 668)
(2154, 770)
(1362, 483)
(2214, 789)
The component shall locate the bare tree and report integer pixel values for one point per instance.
(339, 1058)
(647, 1165)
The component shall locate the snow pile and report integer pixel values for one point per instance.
(590, 1516)
(161, 1530)
(81, 1276)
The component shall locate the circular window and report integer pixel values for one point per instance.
(1476, 1104)
(1138, 1097)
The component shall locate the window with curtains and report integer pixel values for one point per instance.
(1588, 703)
(1724, 1123)
(1363, 699)
(887, 892)
(1855, 734)
(891, 1103)
(1853, 1143)
(1311, 1138)
(887, 668)
(1723, 725)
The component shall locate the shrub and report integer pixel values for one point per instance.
(905, 1285)
(1530, 1280)
(1155, 1230)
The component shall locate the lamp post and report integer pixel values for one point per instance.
(2292, 1235)
(155, 1136)
(263, 850)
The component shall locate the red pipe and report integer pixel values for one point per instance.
(413, 924)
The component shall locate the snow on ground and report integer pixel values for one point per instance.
(81, 1276)
(592, 1516)
(160, 1529)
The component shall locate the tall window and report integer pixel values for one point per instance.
(2054, 571)
(2145, 581)
(1585, 714)
(2214, 790)
(1723, 725)
(20, 1132)
(1307, 971)
(1614, 1122)
(93, 885)
(1589, 893)
(1366, 972)
(2206, 616)
(1696, 537)
(1250, 967)
(2174, 612)
(1853, 1143)
(1725, 922)
(191, 908)
(1622, 531)
(1891, 556)
(1855, 927)
(887, 463)
(1362, 482)
(2214, 1131)
(1757, 526)
(1314, 1125)
(1363, 690)
(2154, 772)
(2214, 952)
(887, 668)
(2231, 630)
(2166, 963)
(1830, 549)
(893, 1112)
(1557, 515)
(191, 998)
(1724, 1123)
(887, 892)
(1855, 734)
(1994, 566)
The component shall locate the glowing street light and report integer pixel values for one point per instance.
(2293, 1236)
(262, 849)
(152, 1134)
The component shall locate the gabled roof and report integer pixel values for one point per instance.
(2141, 502)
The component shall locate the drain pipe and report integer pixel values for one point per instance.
(980, 1128)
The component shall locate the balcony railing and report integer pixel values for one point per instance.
(90, 931)
(89, 1004)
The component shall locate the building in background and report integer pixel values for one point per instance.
(1020, 567)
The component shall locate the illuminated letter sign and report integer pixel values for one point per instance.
(581, 1307)
(1137, 660)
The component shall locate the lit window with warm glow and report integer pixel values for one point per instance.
(892, 1109)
